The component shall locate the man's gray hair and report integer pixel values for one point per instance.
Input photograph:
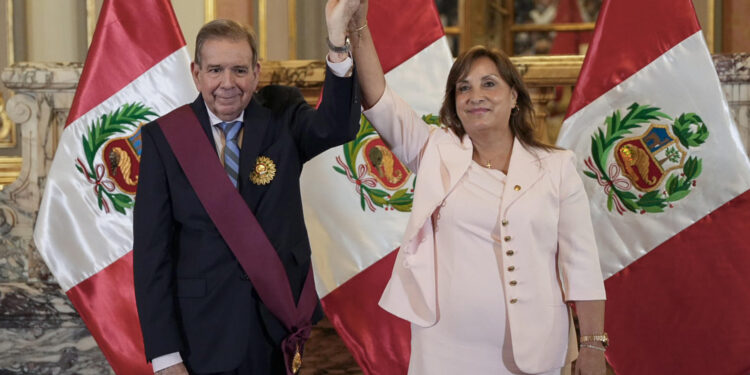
(225, 29)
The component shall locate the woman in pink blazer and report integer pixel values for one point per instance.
(500, 236)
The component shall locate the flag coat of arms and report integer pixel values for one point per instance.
(137, 69)
(357, 198)
(668, 179)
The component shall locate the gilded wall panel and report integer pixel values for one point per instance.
(7, 127)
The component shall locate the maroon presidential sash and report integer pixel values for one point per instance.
(241, 231)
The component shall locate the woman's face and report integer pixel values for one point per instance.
(483, 99)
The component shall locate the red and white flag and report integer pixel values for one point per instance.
(668, 182)
(357, 198)
(137, 69)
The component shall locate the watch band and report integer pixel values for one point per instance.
(602, 338)
(339, 49)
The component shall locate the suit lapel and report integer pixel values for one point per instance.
(455, 159)
(256, 122)
(437, 177)
(524, 171)
(199, 107)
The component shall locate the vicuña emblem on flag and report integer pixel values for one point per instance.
(643, 161)
(120, 156)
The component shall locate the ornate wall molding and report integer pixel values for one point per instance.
(10, 168)
(307, 75)
(44, 77)
(548, 71)
(7, 128)
(734, 73)
(733, 68)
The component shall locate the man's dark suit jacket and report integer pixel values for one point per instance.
(191, 292)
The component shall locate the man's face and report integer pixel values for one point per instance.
(226, 77)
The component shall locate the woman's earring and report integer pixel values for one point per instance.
(514, 110)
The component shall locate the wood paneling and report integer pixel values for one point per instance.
(242, 11)
(735, 33)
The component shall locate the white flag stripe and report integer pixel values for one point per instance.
(341, 248)
(420, 80)
(725, 174)
(342, 251)
(164, 87)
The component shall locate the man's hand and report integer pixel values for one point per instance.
(338, 15)
(178, 369)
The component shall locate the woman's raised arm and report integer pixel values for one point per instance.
(369, 71)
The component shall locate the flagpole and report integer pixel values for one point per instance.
(9, 32)
(292, 22)
(90, 20)
(711, 24)
(263, 29)
(210, 10)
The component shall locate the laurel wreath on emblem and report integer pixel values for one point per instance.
(688, 128)
(367, 188)
(124, 119)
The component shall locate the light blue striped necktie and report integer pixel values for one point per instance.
(232, 149)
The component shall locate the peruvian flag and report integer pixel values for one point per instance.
(668, 182)
(357, 198)
(137, 69)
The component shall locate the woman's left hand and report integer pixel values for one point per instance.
(591, 362)
(359, 19)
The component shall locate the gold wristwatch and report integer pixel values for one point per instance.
(603, 338)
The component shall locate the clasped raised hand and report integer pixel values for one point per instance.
(338, 15)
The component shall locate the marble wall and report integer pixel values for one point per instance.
(734, 73)
(40, 332)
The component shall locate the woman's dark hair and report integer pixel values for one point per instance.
(521, 119)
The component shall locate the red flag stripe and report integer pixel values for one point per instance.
(401, 29)
(106, 303)
(627, 43)
(125, 42)
(378, 340)
(689, 288)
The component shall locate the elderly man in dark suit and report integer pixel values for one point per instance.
(199, 311)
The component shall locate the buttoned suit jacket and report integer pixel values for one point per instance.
(191, 292)
(545, 227)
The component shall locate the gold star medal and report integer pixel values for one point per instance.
(264, 171)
